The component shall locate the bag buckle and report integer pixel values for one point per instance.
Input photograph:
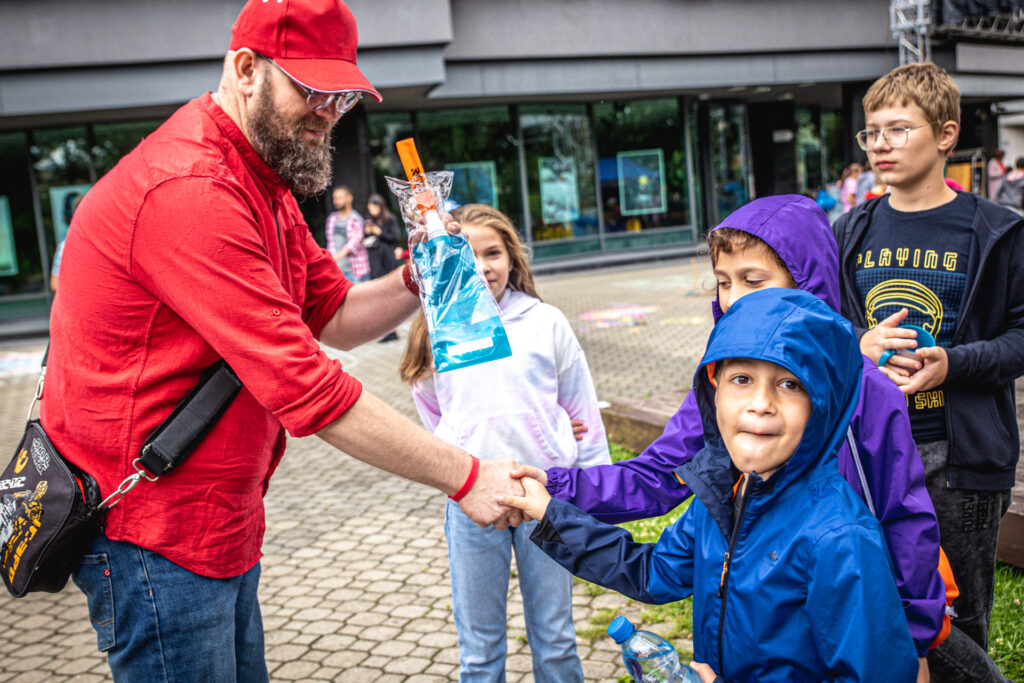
(128, 484)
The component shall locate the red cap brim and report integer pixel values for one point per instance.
(327, 75)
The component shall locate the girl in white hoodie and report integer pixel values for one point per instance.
(521, 407)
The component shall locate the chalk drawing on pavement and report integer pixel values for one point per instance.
(619, 315)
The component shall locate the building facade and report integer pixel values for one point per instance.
(607, 130)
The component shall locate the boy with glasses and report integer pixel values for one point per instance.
(951, 263)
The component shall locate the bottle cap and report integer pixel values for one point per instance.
(620, 629)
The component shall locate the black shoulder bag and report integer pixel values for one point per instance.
(50, 510)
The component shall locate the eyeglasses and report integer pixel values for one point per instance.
(336, 103)
(894, 136)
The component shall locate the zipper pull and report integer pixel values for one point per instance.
(725, 570)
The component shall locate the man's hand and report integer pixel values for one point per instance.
(936, 367)
(888, 335)
(534, 503)
(418, 232)
(481, 503)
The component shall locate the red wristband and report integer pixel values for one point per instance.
(470, 480)
(410, 284)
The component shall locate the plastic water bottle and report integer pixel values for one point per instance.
(462, 316)
(649, 658)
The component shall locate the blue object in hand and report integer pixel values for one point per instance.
(462, 318)
(924, 340)
(649, 658)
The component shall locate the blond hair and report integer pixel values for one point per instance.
(926, 85)
(417, 361)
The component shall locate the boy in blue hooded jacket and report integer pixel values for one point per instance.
(788, 570)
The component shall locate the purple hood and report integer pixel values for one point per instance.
(813, 260)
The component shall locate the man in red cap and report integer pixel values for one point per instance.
(193, 249)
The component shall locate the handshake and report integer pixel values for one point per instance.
(506, 494)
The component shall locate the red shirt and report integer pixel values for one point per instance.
(189, 250)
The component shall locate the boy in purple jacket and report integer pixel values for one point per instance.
(786, 241)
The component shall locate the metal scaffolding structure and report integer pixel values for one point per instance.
(911, 24)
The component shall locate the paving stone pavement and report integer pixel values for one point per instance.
(355, 573)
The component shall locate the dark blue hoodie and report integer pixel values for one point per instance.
(791, 579)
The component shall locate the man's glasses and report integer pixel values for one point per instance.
(336, 103)
(894, 136)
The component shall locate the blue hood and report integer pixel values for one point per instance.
(813, 260)
(797, 330)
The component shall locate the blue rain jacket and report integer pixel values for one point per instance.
(790, 577)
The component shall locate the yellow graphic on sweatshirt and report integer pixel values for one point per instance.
(905, 294)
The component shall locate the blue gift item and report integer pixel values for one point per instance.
(648, 657)
(924, 340)
(462, 316)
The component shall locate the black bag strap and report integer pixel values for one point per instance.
(179, 434)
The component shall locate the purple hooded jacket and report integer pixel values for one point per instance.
(798, 230)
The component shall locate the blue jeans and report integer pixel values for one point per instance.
(480, 563)
(160, 622)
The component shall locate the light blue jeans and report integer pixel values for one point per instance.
(480, 564)
(160, 622)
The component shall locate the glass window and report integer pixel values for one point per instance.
(385, 130)
(808, 151)
(729, 158)
(559, 151)
(642, 165)
(479, 145)
(60, 157)
(114, 140)
(21, 270)
(832, 145)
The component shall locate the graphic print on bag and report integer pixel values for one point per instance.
(21, 515)
(918, 261)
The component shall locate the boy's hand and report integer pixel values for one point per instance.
(888, 335)
(706, 673)
(936, 366)
(534, 472)
(578, 428)
(534, 504)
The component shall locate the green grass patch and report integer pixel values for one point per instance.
(1006, 635)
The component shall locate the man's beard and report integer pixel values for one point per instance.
(307, 169)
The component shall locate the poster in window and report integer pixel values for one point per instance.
(642, 182)
(63, 201)
(559, 198)
(475, 182)
(8, 255)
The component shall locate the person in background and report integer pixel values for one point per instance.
(865, 181)
(382, 235)
(524, 404)
(58, 254)
(1011, 190)
(996, 170)
(848, 186)
(345, 236)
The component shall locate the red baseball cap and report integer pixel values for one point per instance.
(313, 41)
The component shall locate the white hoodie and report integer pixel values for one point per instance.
(520, 407)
